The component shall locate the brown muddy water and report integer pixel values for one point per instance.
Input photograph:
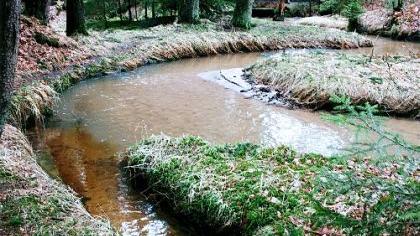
(386, 46)
(98, 118)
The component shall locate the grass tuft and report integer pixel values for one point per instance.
(254, 190)
(31, 102)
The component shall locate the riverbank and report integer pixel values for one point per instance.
(403, 24)
(33, 203)
(251, 190)
(39, 83)
(124, 50)
(310, 79)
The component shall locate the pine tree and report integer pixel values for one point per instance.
(9, 31)
(75, 23)
(38, 9)
(242, 14)
(188, 11)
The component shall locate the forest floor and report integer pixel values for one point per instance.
(380, 19)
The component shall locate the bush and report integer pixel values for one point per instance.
(353, 10)
(348, 8)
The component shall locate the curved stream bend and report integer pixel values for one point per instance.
(98, 118)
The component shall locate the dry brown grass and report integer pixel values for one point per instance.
(335, 21)
(31, 101)
(309, 79)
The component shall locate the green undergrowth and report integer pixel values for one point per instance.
(33, 213)
(79, 73)
(255, 190)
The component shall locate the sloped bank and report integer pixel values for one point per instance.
(403, 24)
(31, 203)
(310, 79)
(251, 190)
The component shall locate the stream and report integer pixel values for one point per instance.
(96, 119)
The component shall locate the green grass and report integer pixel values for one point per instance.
(112, 24)
(40, 216)
(274, 191)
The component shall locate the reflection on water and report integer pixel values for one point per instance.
(90, 168)
(98, 118)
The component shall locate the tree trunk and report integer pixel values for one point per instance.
(120, 10)
(104, 13)
(130, 16)
(135, 9)
(145, 9)
(188, 11)
(242, 14)
(75, 23)
(38, 9)
(153, 9)
(9, 31)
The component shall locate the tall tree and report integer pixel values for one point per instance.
(75, 23)
(146, 16)
(242, 14)
(120, 10)
(9, 32)
(130, 15)
(188, 11)
(135, 9)
(38, 9)
(153, 9)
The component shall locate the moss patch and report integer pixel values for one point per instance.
(40, 216)
(275, 191)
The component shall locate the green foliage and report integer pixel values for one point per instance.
(349, 8)
(352, 10)
(298, 10)
(363, 119)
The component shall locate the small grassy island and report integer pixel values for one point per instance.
(310, 79)
(252, 190)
